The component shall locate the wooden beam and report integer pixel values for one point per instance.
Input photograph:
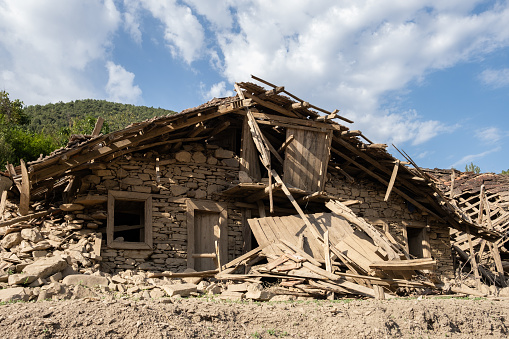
(271, 105)
(391, 182)
(472, 259)
(271, 92)
(98, 126)
(294, 121)
(24, 201)
(285, 144)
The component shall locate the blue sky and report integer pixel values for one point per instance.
(431, 76)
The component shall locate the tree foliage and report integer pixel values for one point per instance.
(505, 172)
(27, 132)
(16, 139)
(52, 118)
(472, 168)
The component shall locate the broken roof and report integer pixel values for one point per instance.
(351, 152)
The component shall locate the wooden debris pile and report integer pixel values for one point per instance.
(483, 199)
(348, 257)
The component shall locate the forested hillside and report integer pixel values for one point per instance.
(53, 118)
(27, 132)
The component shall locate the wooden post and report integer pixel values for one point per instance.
(393, 179)
(218, 256)
(24, 202)
(472, 259)
(98, 126)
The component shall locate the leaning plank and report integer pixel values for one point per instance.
(393, 179)
(340, 209)
(300, 252)
(472, 259)
(24, 201)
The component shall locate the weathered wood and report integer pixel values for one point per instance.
(24, 200)
(342, 210)
(405, 265)
(3, 202)
(248, 155)
(98, 126)
(286, 143)
(29, 216)
(473, 261)
(271, 105)
(391, 182)
(209, 273)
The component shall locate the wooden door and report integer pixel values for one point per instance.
(206, 233)
(206, 224)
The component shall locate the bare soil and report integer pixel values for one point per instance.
(202, 318)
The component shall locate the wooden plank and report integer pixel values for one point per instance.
(316, 126)
(271, 105)
(339, 208)
(248, 155)
(472, 260)
(29, 216)
(24, 201)
(326, 249)
(405, 265)
(393, 179)
(98, 126)
(3, 202)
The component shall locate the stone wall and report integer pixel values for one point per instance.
(394, 215)
(196, 171)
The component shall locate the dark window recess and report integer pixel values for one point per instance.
(129, 220)
(415, 238)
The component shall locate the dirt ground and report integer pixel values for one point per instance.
(202, 318)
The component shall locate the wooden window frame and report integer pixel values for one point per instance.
(110, 228)
(208, 206)
(426, 248)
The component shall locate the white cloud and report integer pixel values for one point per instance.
(131, 20)
(216, 91)
(120, 86)
(352, 54)
(496, 78)
(472, 157)
(182, 30)
(489, 135)
(47, 49)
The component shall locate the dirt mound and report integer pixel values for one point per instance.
(199, 318)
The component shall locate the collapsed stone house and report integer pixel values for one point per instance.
(182, 191)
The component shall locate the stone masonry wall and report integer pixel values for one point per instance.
(394, 213)
(197, 171)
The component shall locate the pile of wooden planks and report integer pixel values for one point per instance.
(350, 256)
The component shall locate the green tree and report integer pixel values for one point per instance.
(505, 172)
(16, 140)
(472, 168)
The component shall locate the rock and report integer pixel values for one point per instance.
(85, 280)
(72, 207)
(183, 156)
(213, 288)
(229, 295)
(244, 177)
(80, 292)
(199, 157)
(11, 294)
(200, 194)
(11, 240)
(157, 293)
(233, 162)
(39, 254)
(178, 190)
(212, 161)
(118, 280)
(238, 287)
(183, 290)
(223, 154)
(21, 279)
(259, 295)
(45, 267)
(202, 286)
(132, 290)
(55, 277)
(37, 282)
(31, 234)
(191, 280)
